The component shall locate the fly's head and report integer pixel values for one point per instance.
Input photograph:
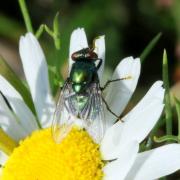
(85, 53)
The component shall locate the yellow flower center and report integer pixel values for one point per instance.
(38, 157)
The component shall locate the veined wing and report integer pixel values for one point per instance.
(93, 113)
(62, 120)
(84, 109)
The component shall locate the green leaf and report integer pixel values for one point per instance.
(7, 72)
(56, 23)
(168, 110)
(158, 125)
(166, 138)
(56, 31)
(39, 31)
(48, 30)
(150, 47)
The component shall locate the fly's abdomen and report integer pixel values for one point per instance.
(77, 104)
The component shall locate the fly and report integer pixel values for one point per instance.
(81, 100)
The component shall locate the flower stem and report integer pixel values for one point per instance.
(168, 112)
(26, 16)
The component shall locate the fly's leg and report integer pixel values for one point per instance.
(114, 80)
(109, 109)
(99, 64)
(105, 86)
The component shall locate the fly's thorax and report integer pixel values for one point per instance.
(82, 75)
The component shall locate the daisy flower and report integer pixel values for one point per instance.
(29, 153)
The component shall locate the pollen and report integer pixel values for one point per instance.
(38, 157)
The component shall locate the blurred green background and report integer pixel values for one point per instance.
(127, 25)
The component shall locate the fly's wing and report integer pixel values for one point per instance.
(62, 121)
(93, 113)
(89, 115)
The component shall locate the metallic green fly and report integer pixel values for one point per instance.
(81, 101)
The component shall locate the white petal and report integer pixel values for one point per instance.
(36, 73)
(118, 169)
(120, 92)
(3, 158)
(156, 163)
(24, 115)
(9, 123)
(109, 143)
(145, 115)
(78, 41)
(155, 92)
(137, 123)
(100, 50)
